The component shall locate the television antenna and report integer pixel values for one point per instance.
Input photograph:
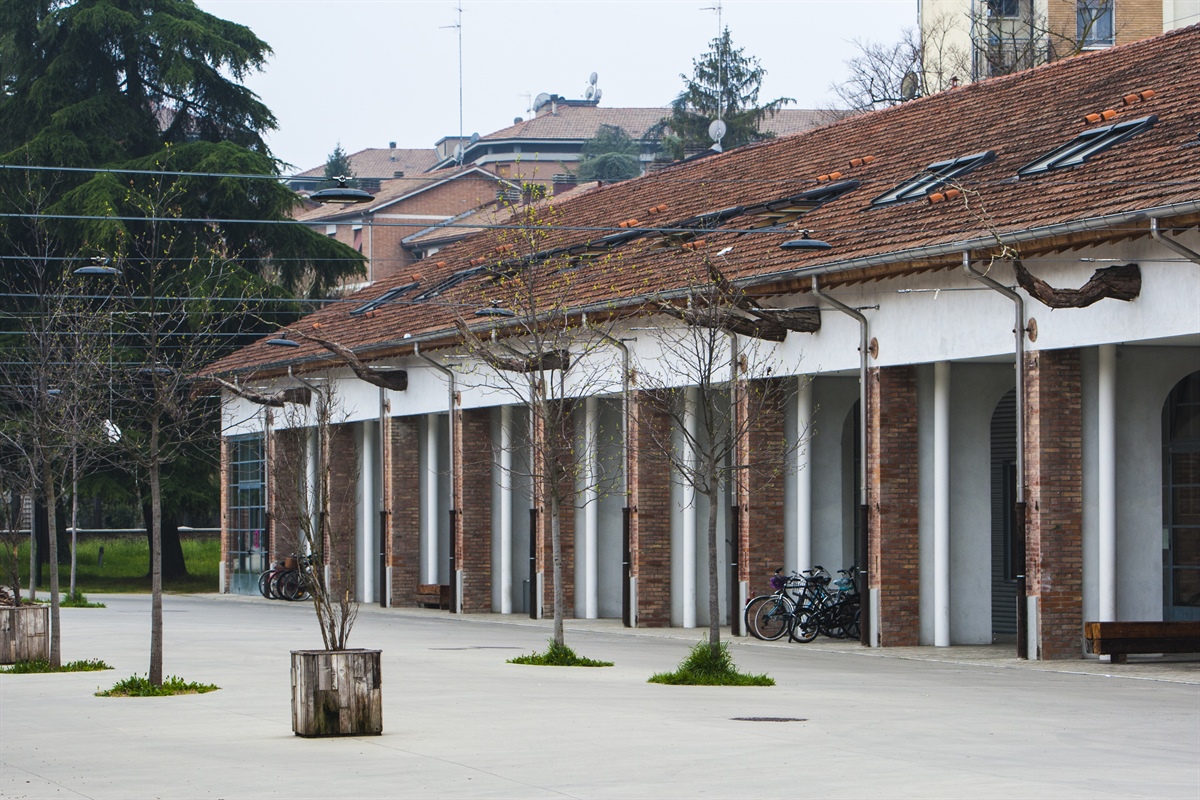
(458, 26)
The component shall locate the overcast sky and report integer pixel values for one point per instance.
(367, 72)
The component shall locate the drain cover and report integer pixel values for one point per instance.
(768, 719)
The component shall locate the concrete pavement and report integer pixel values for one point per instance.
(459, 722)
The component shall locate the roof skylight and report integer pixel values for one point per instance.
(1087, 144)
(934, 177)
(448, 283)
(386, 297)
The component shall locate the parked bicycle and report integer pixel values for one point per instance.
(802, 605)
(287, 579)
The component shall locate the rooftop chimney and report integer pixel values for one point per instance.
(392, 145)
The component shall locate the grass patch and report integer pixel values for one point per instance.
(558, 655)
(126, 567)
(79, 600)
(702, 667)
(138, 686)
(32, 667)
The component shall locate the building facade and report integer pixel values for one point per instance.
(984, 392)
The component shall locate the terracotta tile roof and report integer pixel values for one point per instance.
(477, 221)
(392, 191)
(583, 122)
(383, 163)
(1020, 117)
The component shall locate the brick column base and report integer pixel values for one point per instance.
(476, 511)
(406, 510)
(892, 477)
(1054, 500)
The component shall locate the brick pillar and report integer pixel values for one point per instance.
(762, 506)
(653, 501)
(476, 510)
(286, 477)
(892, 479)
(225, 478)
(339, 527)
(1054, 500)
(405, 530)
(566, 515)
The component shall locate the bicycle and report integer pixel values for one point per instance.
(768, 616)
(835, 614)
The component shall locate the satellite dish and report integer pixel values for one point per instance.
(716, 130)
(458, 152)
(474, 137)
(597, 94)
(592, 78)
(540, 101)
(909, 85)
(587, 93)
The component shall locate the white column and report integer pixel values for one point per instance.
(1106, 456)
(941, 503)
(429, 502)
(802, 558)
(366, 546)
(692, 424)
(590, 498)
(312, 474)
(504, 569)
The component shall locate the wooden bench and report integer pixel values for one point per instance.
(1119, 639)
(433, 595)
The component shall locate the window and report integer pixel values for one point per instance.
(389, 295)
(1004, 8)
(934, 177)
(1094, 23)
(1086, 145)
(247, 514)
(447, 284)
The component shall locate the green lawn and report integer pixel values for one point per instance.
(126, 567)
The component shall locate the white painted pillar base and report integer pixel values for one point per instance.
(504, 569)
(692, 422)
(1106, 468)
(1031, 638)
(941, 504)
(803, 558)
(431, 518)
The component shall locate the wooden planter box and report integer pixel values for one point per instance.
(24, 633)
(336, 693)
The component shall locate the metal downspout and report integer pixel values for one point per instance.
(1019, 514)
(629, 595)
(861, 544)
(455, 567)
(1183, 250)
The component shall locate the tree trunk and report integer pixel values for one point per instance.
(714, 591)
(555, 544)
(156, 621)
(52, 528)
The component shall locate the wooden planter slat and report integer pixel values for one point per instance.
(24, 633)
(337, 693)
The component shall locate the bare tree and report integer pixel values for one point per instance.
(883, 75)
(542, 353)
(716, 382)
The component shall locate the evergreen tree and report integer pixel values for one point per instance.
(610, 156)
(338, 166)
(149, 85)
(724, 85)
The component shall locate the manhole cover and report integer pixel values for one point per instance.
(769, 719)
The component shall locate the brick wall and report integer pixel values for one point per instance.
(1133, 20)
(1054, 494)
(762, 513)
(406, 510)
(340, 527)
(893, 490)
(287, 470)
(476, 511)
(653, 517)
(566, 461)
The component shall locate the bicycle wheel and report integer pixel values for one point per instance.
(291, 586)
(264, 584)
(772, 619)
(276, 583)
(805, 626)
(751, 610)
